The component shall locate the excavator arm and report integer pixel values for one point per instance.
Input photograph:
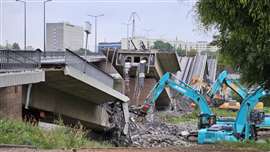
(232, 84)
(246, 117)
(207, 118)
(243, 128)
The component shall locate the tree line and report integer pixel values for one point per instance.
(243, 34)
(13, 46)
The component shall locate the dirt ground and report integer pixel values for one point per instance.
(179, 149)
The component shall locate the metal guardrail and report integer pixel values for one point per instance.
(53, 54)
(59, 56)
(19, 60)
(74, 60)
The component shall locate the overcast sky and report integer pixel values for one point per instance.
(166, 18)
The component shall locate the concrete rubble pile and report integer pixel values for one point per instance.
(157, 133)
(115, 134)
(146, 132)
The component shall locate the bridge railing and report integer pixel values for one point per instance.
(74, 60)
(19, 60)
(58, 55)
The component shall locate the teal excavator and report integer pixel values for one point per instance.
(210, 128)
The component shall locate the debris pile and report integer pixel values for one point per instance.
(157, 133)
(147, 132)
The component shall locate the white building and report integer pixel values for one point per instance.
(149, 43)
(60, 36)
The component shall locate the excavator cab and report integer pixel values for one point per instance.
(256, 117)
(205, 120)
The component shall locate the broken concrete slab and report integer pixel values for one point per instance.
(157, 64)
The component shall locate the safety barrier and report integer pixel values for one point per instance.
(75, 61)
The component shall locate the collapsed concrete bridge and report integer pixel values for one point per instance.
(157, 63)
(71, 87)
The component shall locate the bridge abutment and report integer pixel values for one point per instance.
(11, 102)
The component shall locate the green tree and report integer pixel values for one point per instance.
(244, 34)
(180, 51)
(162, 46)
(15, 46)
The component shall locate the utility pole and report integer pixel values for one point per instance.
(24, 2)
(87, 30)
(186, 48)
(96, 17)
(44, 24)
(127, 24)
(132, 17)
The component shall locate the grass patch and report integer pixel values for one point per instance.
(247, 144)
(193, 116)
(20, 133)
(224, 113)
(266, 110)
(179, 119)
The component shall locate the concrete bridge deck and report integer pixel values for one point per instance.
(74, 88)
(81, 78)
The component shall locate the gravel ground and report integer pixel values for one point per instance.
(179, 149)
(154, 133)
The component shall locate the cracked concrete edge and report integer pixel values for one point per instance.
(126, 116)
(95, 83)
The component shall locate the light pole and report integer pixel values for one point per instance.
(44, 23)
(24, 2)
(127, 24)
(96, 17)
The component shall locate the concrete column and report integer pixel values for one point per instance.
(11, 102)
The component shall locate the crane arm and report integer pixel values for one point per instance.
(233, 84)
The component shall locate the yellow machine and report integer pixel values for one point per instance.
(234, 105)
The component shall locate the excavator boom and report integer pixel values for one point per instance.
(207, 118)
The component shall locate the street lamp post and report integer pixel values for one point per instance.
(44, 23)
(24, 2)
(96, 17)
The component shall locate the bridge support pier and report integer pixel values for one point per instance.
(11, 102)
